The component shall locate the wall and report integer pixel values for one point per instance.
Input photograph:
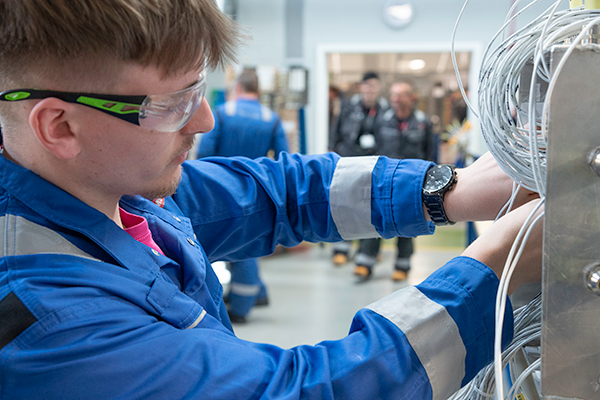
(357, 25)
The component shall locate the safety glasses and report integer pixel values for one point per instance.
(163, 112)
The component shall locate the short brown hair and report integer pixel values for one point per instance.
(248, 80)
(172, 35)
(407, 81)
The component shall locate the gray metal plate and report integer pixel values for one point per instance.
(571, 312)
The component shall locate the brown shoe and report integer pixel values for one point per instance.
(362, 273)
(339, 259)
(398, 275)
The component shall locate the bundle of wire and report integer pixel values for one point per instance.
(528, 328)
(518, 143)
(521, 150)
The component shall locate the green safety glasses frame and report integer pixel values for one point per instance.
(164, 112)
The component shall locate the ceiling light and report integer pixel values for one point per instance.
(417, 64)
(403, 12)
(398, 13)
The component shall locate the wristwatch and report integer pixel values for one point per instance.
(439, 179)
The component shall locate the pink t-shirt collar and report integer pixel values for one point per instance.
(137, 227)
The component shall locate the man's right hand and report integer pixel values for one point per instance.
(493, 246)
(481, 191)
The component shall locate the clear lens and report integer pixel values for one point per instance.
(170, 112)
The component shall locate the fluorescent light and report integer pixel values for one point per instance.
(417, 64)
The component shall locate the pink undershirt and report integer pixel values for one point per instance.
(137, 227)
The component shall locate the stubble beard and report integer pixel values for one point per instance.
(164, 191)
(170, 188)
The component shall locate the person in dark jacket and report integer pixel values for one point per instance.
(402, 131)
(352, 134)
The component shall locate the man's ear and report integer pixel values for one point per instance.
(49, 120)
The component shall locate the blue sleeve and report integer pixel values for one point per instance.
(467, 288)
(397, 198)
(111, 348)
(242, 208)
(209, 144)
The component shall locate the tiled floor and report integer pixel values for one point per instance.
(311, 300)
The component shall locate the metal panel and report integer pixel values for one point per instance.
(571, 312)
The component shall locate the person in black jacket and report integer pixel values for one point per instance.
(401, 132)
(352, 134)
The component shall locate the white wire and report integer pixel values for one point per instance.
(535, 366)
(453, 56)
(538, 175)
(519, 143)
(520, 146)
(528, 327)
(509, 268)
(509, 15)
(509, 204)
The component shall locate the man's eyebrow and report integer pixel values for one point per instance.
(190, 85)
(194, 82)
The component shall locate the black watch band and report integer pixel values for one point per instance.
(436, 211)
(438, 181)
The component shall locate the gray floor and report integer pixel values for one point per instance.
(311, 300)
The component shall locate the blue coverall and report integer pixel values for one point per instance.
(87, 312)
(244, 128)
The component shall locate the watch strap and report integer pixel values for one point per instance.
(435, 208)
(434, 202)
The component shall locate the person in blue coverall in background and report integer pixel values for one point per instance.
(244, 127)
(106, 285)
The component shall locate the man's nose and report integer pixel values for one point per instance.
(201, 122)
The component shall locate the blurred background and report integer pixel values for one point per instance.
(310, 57)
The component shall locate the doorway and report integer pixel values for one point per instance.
(429, 66)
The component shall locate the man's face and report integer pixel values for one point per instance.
(119, 158)
(369, 90)
(401, 96)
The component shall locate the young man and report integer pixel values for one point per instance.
(106, 294)
(244, 127)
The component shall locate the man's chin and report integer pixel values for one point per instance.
(163, 191)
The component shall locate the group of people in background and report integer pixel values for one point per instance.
(368, 124)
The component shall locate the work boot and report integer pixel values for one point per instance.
(401, 269)
(339, 259)
(399, 275)
(262, 301)
(363, 273)
(236, 319)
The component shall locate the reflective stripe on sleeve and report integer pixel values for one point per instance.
(19, 236)
(350, 197)
(433, 335)
(230, 108)
(266, 114)
(243, 289)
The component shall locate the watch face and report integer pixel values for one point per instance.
(437, 178)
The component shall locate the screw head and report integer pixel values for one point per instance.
(594, 161)
(591, 277)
